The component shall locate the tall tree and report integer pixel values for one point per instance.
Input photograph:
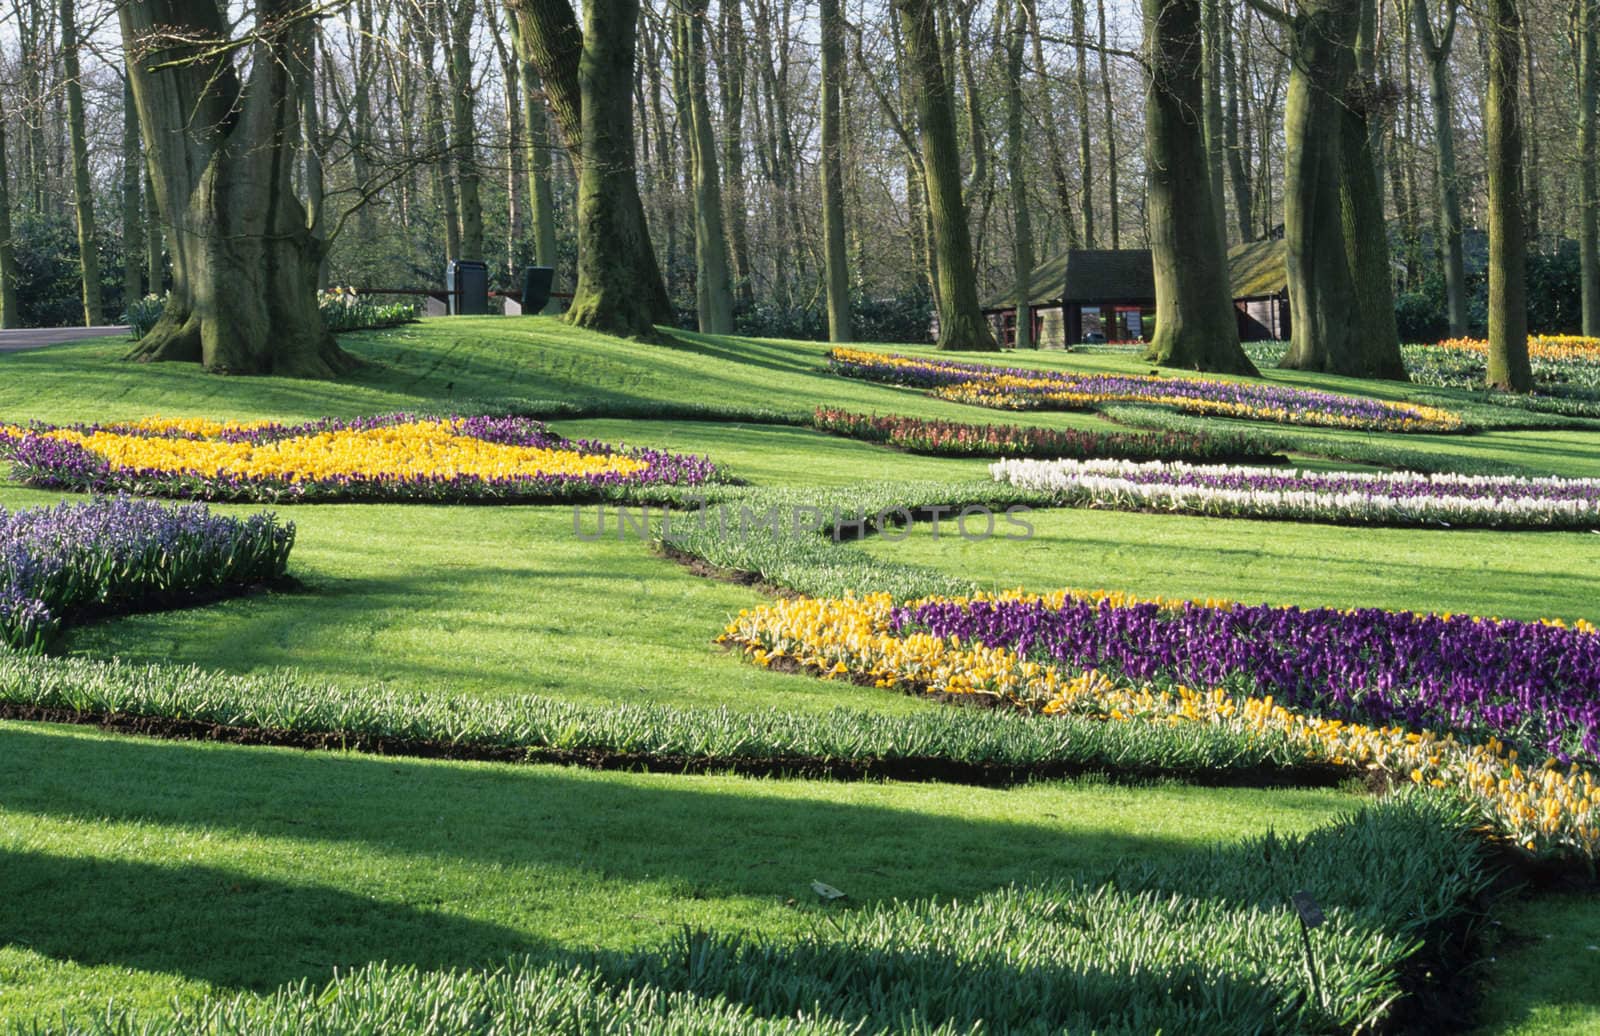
(836, 263)
(1113, 201)
(731, 85)
(435, 130)
(961, 321)
(611, 234)
(9, 317)
(1338, 254)
(1211, 83)
(464, 129)
(1321, 293)
(1080, 31)
(132, 201)
(536, 163)
(221, 151)
(1047, 127)
(1436, 49)
(82, 185)
(1366, 231)
(619, 281)
(1017, 146)
(1509, 367)
(1195, 323)
(1588, 41)
(713, 279)
(1232, 125)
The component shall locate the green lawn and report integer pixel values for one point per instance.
(143, 870)
(1508, 574)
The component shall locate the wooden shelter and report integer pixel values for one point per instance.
(1108, 295)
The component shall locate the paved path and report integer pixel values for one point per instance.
(35, 337)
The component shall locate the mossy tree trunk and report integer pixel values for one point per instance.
(961, 321)
(1436, 48)
(836, 263)
(1080, 30)
(1366, 231)
(1195, 323)
(1211, 85)
(82, 185)
(221, 154)
(536, 163)
(1589, 162)
(9, 317)
(611, 233)
(1322, 294)
(1017, 146)
(571, 67)
(1509, 366)
(132, 201)
(464, 129)
(713, 274)
(1113, 195)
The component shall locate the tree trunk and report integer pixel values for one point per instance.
(713, 279)
(1436, 51)
(9, 317)
(1509, 367)
(835, 261)
(1589, 163)
(82, 186)
(549, 37)
(611, 233)
(222, 156)
(1113, 199)
(1017, 145)
(155, 266)
(730, 83)
(1531, 172)
(1195, 323)
(1211, 82)
(1366, 232)
(961, 321)
(1080, 29)
(302, 82)
(463, 124)
(536, 141)
(1238, 166)
(132, 202)
(1047, 128)
(1322, 294)
(444, 183)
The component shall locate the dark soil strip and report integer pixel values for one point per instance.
(917, 769)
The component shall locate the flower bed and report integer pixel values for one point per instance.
(1566, 370)
(1400, 498)
(119, 554)
(955, 439)
(391, 457)
(1012, 388)
(1544, 807)
(1533, 683)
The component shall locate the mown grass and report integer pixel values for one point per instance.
(160, 869)
(1520, 575)
(1544, 976)
(138, 870)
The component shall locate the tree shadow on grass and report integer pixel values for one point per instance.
(323, 853)
(227, 927)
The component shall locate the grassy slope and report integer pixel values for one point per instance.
(142, 870)
(1512, 575)
(498, 601)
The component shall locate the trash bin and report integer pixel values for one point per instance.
(536, 281)
(466, 284)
